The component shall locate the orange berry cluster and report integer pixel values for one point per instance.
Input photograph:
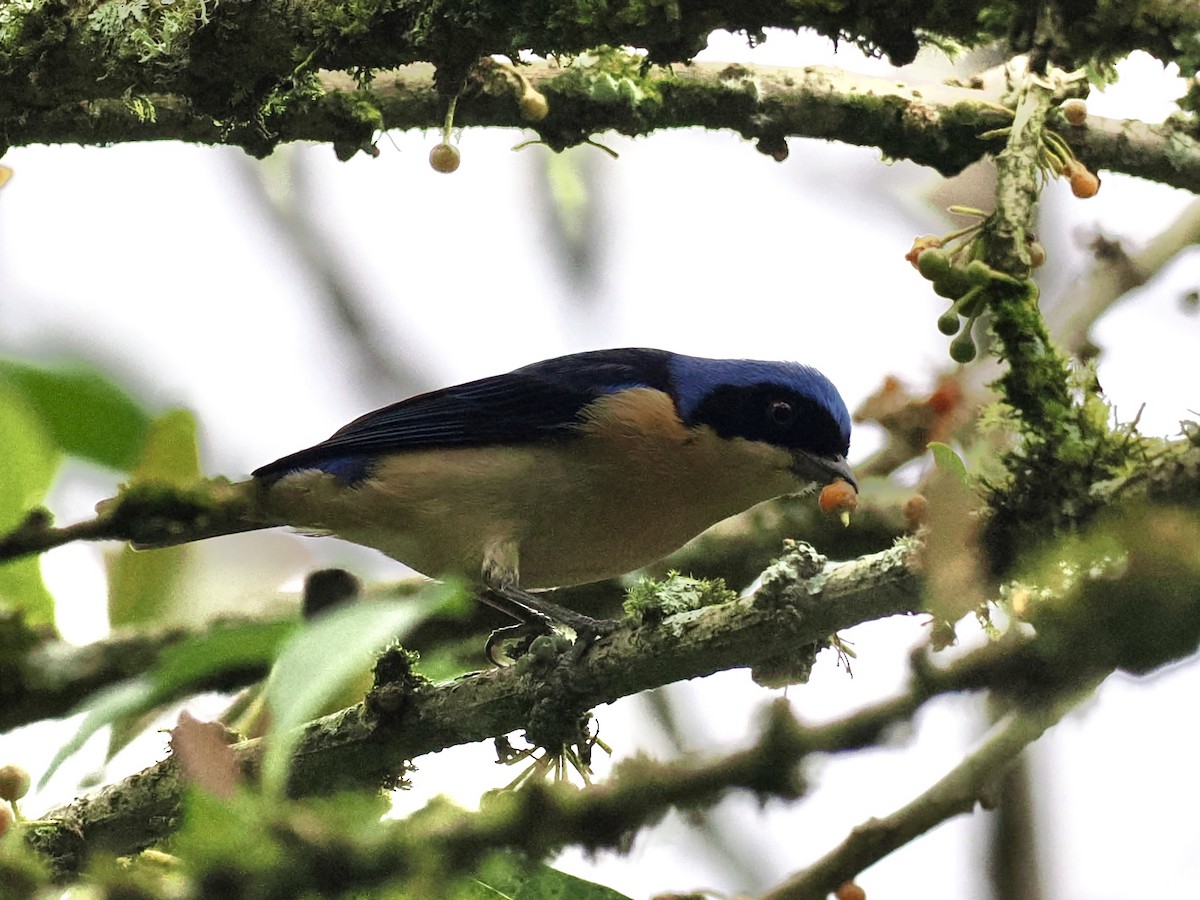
(1057, 158)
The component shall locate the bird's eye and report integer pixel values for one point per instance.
(781, 413)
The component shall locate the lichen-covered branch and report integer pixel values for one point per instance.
(226, 57)
(442, 842)
(1067, 443)
(933, 124)
(42, 677)
(956, 793)
(801, 603)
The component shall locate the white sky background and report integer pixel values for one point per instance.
(152, 261)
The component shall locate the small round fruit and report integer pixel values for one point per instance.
(979, 272)
(533, 105)
(1085, 184)
(933, 263)
(444, 158)
(1037, 254)
(1074, 111)
(962, 348)
(949, 323)
(952, 284)
(839, 497)
(14, 783)
(850, 891)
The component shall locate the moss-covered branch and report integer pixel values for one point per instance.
(227, 54)
(958, 792)
(1068, 445)
(254, 74)
(443, 842)
(932, 124)
(801, 603)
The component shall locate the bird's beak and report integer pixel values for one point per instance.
(822, 469)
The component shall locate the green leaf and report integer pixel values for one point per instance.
(948, 462)
(506, 876)
(226, 647)
(86, 414)
(320, 660)
(30, 463)
(105, 706)
(142, 585)
(192, 664)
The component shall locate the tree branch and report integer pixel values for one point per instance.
(932, 124)
(800, 603)
(954, 794)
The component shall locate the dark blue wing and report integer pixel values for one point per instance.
(533, 403)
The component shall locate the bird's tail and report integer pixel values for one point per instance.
(153, 514)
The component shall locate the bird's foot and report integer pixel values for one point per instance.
(538, 616)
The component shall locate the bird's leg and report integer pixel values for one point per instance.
(531, 624)
(538, 616)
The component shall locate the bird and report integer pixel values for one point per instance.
(564, 472)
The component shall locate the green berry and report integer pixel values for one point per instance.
(14, 783)
(933, 264)
(444, 157)
(962, 348)
(948, 323)
(533, 105)
(971, 303)
(979, 273)
(952, 285)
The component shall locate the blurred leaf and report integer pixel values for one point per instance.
(333, 650)
(30, 462)
(84, 412)
(142, 585)
(956, 579)
(104, 707)
(192, 664)
(226, 647)
(506, 876)
(204, 755)
(948, 462)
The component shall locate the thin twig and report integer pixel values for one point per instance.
(956, 793)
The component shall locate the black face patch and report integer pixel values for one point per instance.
(772, 414)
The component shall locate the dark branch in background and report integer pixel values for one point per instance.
(932, 124)
(49, 677)
(956, 793)
(386, 368)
